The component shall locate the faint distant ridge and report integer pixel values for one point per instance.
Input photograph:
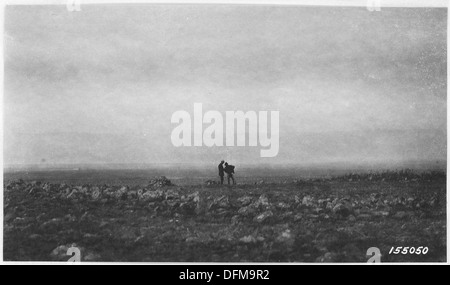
(86, 166)
(334, 165)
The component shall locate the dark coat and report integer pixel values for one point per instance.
(221, 170)
(229, 169)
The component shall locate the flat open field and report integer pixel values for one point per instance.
(285, 220)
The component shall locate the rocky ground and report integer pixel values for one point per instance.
(321, 220)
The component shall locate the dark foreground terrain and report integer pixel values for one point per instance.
(316, 220)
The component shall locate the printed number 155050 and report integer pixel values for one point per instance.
(409, 250)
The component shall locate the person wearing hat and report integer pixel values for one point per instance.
(229, 170)
(221, 171)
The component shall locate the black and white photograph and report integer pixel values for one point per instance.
(253, 133)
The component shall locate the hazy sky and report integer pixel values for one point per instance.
(101, 85)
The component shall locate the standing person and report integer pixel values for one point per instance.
(229, 170)
(221, 171)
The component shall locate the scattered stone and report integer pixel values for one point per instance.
(400, 215)
(329, 206)
(283, 206)
(220, 203)
(364, 216)
(307, 201)
(327, 257)
(245, 200)
(286, 237)
(91, 257)
(248, 239)
(151, 196)
(60, 253)
(121, 193)
(89, 236)
(235, 219)
(246, 211)
(262, 202)
(298, 217)
(171, 195)
(35, 236)
(195, 197)
(263, 217)
(318, 210)
(96, 193)
(190, 239)
(211, 182)
(380, 213)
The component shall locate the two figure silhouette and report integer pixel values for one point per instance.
(228, 169)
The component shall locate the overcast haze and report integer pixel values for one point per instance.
(101, 85)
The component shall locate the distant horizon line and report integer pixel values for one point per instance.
(339, 164)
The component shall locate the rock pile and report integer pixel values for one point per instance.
(211, 182)
(160, 182)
